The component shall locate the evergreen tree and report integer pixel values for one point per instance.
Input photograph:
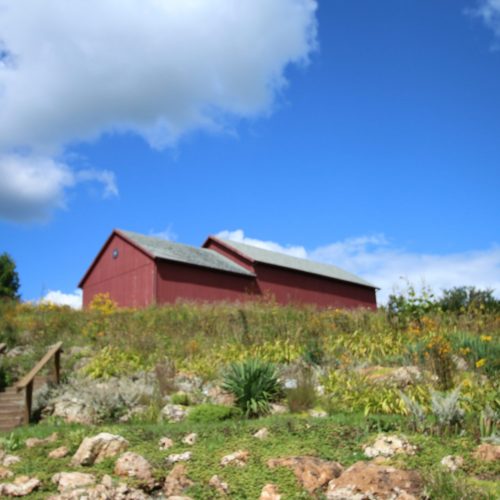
(9, 279)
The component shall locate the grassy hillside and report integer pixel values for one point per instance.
(370, 372)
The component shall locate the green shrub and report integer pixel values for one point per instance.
(445, 486)
(212, 413)
(314, 353)
(254, 384)
(303, 397)
(181, 398)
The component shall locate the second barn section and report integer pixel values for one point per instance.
(137, 270)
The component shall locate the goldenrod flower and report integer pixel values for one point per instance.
(486, 338)
(480, 363)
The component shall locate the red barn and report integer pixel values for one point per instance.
(138, 270)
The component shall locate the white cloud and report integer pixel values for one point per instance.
(167, 234)
(72, 71)
(159, 68)
(32, 187)
(384, 265)
(73, 300)
(489, 12)
(239, 236)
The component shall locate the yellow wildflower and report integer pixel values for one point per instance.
(480, 363)
(486, 338)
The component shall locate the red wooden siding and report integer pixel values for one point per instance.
(184, 282)
(129, 279)
(289, 286)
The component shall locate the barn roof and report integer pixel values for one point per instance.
(178, 252)
(295, 263)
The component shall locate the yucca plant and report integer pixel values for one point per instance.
(254, 384)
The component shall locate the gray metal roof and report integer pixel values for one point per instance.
(177, 252)
(304, 265)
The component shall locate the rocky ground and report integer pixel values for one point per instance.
(273, 458)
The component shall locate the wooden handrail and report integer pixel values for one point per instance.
(53, 351)
(28, 380)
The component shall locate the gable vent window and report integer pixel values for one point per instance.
(115, 253)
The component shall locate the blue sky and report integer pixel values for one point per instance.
(364, 134)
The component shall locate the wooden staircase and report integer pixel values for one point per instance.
(16, 401)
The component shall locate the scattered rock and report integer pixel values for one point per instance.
(174, 413)
(387, 446)
(216, 395)
(400, 377)
(73, 411)
(133, 465)
(270, 492)
(217, 483)
(312, 472)
(487, 452)
(262, 433)
(33, 442)
(179, 457)
(5, 473)
(8, 460)
(96, 448)
(366, 480)
(188, 383)
(165, 443)
(176, 481)
(452, 462)
(238, 458)
(22, 486)
(103, 491)
(60, 452)
(318, 413)
(190, 439)
(67, 481)
(277, 409)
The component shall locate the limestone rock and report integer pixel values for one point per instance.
(174, 413)
(133, 465)
(176, 481)
(238, 458)
(22, 486)
(387, 446)
(60, 452)
(487, 452)
(5, 473)
(262, 433)
(217, 483)
(8, 460)
(33, 442)
(102, 491)
(366, 480)
(67, 481)
(452, 462)
(270, 492)
(312, 472)
(165, 443)
(96, 448)
(216, 395)
(179, 457)
(190, 439)
(318, 413)
(277, 409)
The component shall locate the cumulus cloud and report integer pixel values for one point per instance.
(32, 187)
(489, 12)
(155, 67)
(73, 300)
(239, 236)
(389, 267)
(72, 71)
